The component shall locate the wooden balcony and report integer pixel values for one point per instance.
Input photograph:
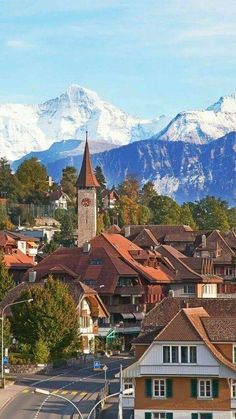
(135, 290)
(126, 308)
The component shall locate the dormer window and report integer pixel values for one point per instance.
(234, 354)
(183, 354)
(95, 261)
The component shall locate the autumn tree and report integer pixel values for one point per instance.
(49, 322)
(164, 210)
(32, 176)
(186, 216)
(130, 188)
(6, 279)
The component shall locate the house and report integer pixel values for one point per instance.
(128, 279)
(89, 306)
(18, 253)
(109, 198)
(58, 199)
(186, 368)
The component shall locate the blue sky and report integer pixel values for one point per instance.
(149, 57)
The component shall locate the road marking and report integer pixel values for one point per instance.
(64, 392)
(83, 393)
(55, 391)
(27, 390)
(74, 393)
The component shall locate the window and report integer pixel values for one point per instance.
(234, 354)
(160, 415)
(128, 384)
(95, 262)
(234, 390)
(229, 271)
(159, 388)
(205, 388)
(179, 354)
(189, 289)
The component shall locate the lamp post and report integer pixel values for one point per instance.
(2, 318)
(126, 392)
(46, 392)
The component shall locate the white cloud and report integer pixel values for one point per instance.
(17, 44)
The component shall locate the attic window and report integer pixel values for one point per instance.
(95, 261)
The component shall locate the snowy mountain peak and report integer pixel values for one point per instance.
(224, 104)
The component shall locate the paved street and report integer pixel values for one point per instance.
(79, 385)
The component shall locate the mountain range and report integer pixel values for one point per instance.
(187, 157)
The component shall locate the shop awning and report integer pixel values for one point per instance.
(127, 316)
(139, 316)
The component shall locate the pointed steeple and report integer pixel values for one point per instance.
(87, 178)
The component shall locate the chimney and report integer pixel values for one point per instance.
(203, 240)
(32, 276)
(86, 247)
(127, 231)
(171, 293)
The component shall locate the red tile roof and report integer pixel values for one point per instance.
(17, 258)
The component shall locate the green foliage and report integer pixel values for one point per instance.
(147, 193)
(186, 216)
(6, 333)
(51, 317)
(68, 220)
(5, 222)
(232, 218)
(100, 223)
(211, 213)
(41, 352)
(68, 182)
(164, 210)
(32, 176)
(8, 183)
(6, 279)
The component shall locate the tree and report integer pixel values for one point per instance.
(211, 213)
(186, 216)
(5, 222)
(33, 178)
(50, 318)
(41, 352)
(164, 210)
(8, 183)
(68, 182)
(68, 220)
(102, 182)
(232, 217)
(147, 193)
(6, 279)
(128, 211)
(130, 188)
(143, 214)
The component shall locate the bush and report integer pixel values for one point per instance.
(41, 352)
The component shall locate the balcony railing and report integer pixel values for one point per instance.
(126, 308)
(135, 290)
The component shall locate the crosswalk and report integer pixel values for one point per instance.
(59, 392)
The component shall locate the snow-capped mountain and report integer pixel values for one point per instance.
(181, 170)
(27, 128)
(201, 127)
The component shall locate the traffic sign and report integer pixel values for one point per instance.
(5, 360)
(96, 365)
(105, 368)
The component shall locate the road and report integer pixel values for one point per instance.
(79, 385)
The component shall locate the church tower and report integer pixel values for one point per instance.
(87, 199)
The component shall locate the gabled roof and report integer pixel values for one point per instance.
(220, 329)
(179, 329)
(146, 239)
(18, 259)
(87, 178)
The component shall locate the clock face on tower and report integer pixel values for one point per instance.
(85, 202)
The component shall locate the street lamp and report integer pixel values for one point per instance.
(126, 392)
(2, 318)
(46, 392)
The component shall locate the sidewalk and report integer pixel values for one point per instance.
(8, 393)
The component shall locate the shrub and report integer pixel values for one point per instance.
(41, 352)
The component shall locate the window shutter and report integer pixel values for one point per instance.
(208, 415)
(169, 415)
(148, 415)
(194, 416)
(148, 387)
(169, 387)
(215, 387)
(194, 387)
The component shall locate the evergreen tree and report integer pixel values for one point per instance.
(8, 183)
(68, 182)
(147, 193)
(164, 210)
(6, 279)
(102, 182)
(232, 218)
(50, 318)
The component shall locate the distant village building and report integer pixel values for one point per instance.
(109, 198)
(59, 199)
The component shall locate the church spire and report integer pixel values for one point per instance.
(87, 178)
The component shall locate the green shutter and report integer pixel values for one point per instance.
(169, 387)
(148, 387)
(194, 387)
(148, 415)
(215, 387)
(169, 415)
(194, 416)
(208, 415)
